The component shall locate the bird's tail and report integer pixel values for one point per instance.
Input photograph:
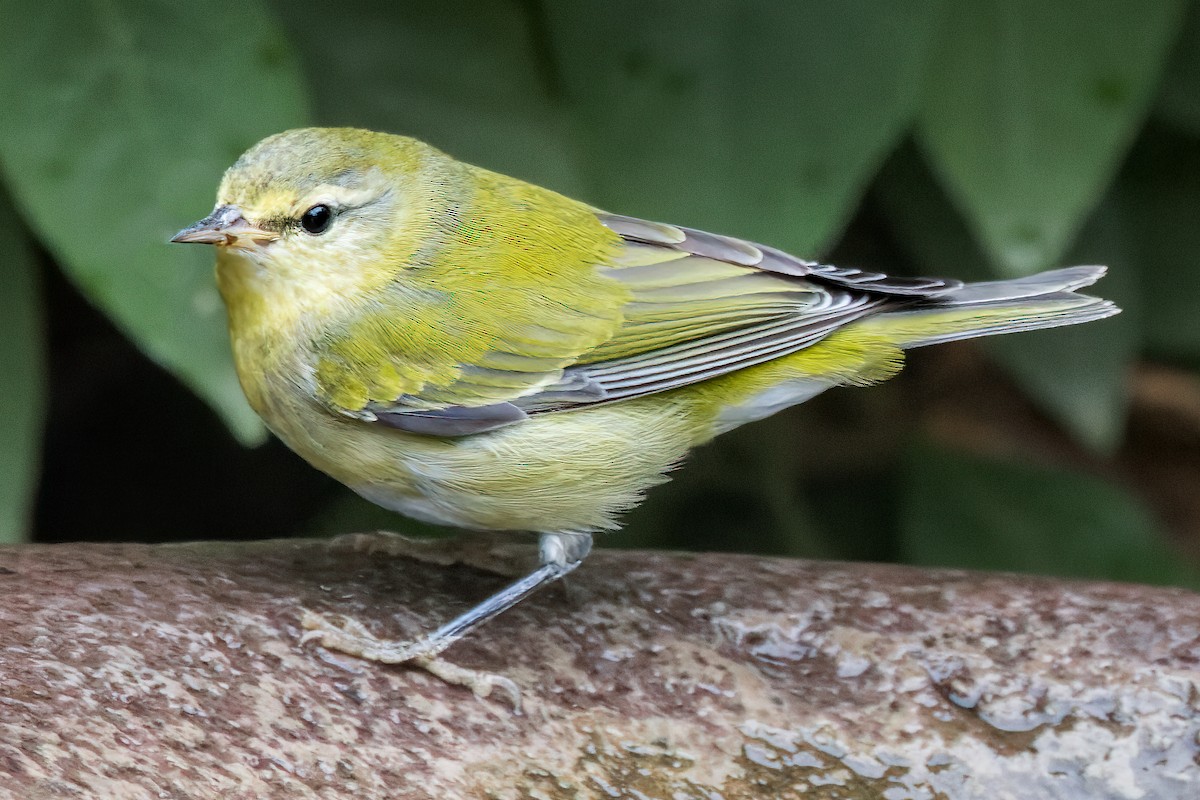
(1045, 300)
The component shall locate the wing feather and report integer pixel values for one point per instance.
(699, 306)
(688, 362)
(768, 259)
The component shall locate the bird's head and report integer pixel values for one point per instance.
(318, 213)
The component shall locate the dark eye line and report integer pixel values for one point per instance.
(277, 224)
(335, 209)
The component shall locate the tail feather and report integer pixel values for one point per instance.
(1056, 280)
(1045, 300)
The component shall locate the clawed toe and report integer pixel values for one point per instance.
(353, 638)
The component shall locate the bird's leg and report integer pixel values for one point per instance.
(559, 554)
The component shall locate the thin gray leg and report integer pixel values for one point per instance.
(559, 554)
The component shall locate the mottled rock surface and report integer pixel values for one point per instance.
(175, 671)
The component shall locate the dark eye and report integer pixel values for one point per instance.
(317, 219)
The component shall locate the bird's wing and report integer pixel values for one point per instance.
(693, 306)
(705, 305)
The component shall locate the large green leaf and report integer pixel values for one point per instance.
(1078, 373)
(967, 511)
(1179, 100)
(22, 390)
(464, 76)
(761, 119)
(119, 118)
(1030, 106)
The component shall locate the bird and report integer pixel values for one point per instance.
(476, 351)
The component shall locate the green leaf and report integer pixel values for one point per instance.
(1078, 373)
(1179, 99)
(966, 511)
(760, 119)
(1159, 191)
(1029, 108)
(115, 136)
(468, 82)
(22, 377)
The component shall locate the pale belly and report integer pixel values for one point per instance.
(566, 472)
(573, 471)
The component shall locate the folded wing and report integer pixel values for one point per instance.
(697, 306)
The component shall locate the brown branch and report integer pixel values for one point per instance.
(174, 671)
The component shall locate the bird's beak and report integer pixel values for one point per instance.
(225, 227)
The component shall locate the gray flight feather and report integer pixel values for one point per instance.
(769, 259)
(452, 421)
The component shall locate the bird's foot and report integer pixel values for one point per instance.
(559, 554)
(352, 638)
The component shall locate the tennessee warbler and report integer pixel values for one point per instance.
(476, 351)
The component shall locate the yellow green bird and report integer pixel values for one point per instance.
(476, 351)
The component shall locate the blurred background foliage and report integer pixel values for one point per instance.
(984, 139)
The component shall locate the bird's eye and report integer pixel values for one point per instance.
(317, 219)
